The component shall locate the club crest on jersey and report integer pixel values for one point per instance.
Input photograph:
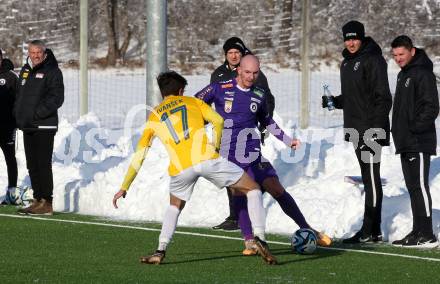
(408, 80)
(258, 93)
(254, 107)
(25, 75)
(228, 106)
(356, 66)
(2, 82)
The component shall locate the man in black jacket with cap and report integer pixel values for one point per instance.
(235, 49)
(40, 94)
(8, 84)
(415, 109)
(366, 102)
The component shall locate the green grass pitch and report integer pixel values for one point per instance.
(46, 251)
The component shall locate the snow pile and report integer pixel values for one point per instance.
(90, 163)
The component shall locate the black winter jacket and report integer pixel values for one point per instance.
(40, 94)
(416, 107)
(365, 94)
(8, 85)
(224, 73)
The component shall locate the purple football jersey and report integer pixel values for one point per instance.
(242, 110)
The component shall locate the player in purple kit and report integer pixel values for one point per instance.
(242, 106)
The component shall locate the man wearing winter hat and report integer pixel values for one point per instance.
(235, 49)
(415, 109)
(366, 102)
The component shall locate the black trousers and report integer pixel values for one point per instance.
(370, 170)
(7, 144)
(38, 147)
(415, 167)
(232, 213)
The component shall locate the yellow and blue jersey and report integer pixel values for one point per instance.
(179, 122)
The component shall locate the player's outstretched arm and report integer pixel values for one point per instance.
(135, 164)
(276, 131)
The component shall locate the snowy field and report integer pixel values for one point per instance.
(91, 159)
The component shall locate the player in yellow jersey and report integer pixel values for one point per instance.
(179, 122)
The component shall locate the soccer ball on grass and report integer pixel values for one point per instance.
(19, 196)
(304, 241)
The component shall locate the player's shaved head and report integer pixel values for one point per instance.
(249, 61)
(248, 71)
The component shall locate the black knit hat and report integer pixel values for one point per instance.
(234, 42)
(353, 30)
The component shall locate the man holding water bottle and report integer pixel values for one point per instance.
(366, 102)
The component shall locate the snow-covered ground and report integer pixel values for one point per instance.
(90, 162)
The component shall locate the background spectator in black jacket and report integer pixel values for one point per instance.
(235, 49)
(8, 83)
(40, 94)
(415, 109)
(366, 103)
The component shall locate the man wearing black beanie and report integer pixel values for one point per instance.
(366, 102)
(234, 49)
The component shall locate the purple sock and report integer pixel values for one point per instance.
(240, 207)
(292, 210)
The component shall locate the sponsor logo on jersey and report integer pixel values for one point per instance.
(25, 75)
(39, 75)
(229, 99)
(2, 82)
(23, 82)
(228, 106)
(356, 66)
(258, 93)
(253, 107)
(225, 86)
(229, 93)
(408, 80)
(204, 92)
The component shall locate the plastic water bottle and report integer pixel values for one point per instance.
(328, 94)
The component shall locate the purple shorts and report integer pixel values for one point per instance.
(261, 170)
